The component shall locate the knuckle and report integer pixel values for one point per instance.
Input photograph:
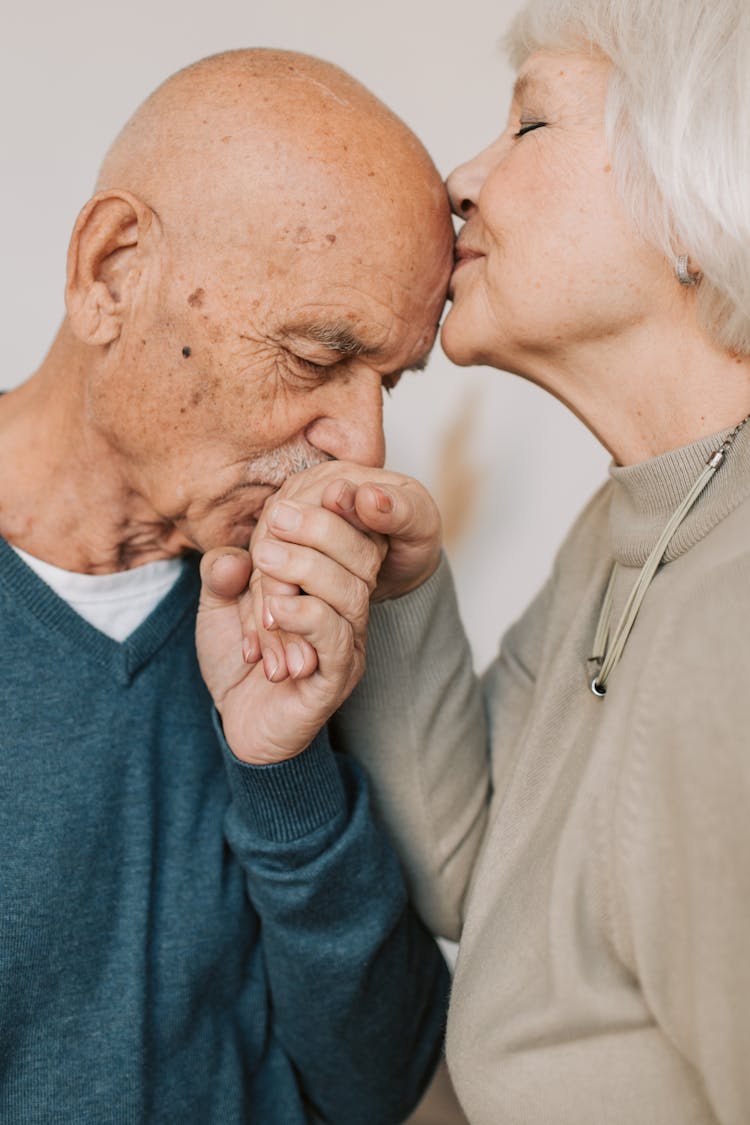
(370, 559)
(360, 601)
(317, 612)
(345, 641)
(303, 564)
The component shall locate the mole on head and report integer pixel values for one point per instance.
(186, 352)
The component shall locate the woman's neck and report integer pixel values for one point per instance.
(644, 393)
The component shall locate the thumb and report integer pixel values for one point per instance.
(225, 574)
(409, 517)
(405, 513)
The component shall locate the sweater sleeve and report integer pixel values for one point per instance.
(510, 682)
(358, 987)
(682, 838)
(416, 723)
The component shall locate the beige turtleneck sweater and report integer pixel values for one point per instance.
(602, 894)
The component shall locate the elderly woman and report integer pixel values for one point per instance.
(596, 863)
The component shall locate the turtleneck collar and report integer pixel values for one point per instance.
(644, 496)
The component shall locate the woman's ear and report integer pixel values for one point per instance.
(105, 259)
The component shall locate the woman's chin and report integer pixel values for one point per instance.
(457, 339)
(468, 341)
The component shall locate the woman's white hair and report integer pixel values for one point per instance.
(678, 129)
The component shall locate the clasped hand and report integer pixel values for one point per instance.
(281, 628)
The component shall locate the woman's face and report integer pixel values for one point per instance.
(547, 261)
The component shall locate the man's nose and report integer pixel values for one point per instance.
(351, 429)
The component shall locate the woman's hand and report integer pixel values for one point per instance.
(370, 507)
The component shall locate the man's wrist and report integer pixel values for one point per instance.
(286, 800)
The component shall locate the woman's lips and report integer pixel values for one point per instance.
(464, 254)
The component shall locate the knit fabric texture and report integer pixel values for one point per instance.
(592, 855)
(184, 938)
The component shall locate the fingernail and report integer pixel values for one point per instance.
(270, 554)
(285, 517)
(346, 497)
(249, 651)
(383, 502)
(294, 659)
(270, 665)
(268, 618)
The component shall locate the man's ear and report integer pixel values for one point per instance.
(105, 259)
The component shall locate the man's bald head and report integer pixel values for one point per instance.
(260, 127)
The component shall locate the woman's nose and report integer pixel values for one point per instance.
(465, 183)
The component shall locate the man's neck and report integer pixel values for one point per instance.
(65, 495)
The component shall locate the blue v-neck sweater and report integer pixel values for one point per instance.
(184, 938)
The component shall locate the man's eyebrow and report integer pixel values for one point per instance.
(339, 337)
(343, 339)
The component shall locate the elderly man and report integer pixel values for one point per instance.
(201, 922)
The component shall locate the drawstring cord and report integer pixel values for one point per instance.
(605, 656)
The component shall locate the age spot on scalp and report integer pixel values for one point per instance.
(195, 300)
(186, 351)
(302, 235)
(331, 238)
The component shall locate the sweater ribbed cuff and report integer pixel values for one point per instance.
(287, 800)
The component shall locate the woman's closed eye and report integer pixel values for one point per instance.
(528, 127)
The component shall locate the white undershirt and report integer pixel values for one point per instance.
(116, 604)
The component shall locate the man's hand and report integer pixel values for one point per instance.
(268, 719)
(393, 511)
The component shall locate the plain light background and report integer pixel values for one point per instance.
(509, 465)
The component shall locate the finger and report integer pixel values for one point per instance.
(299, 656)
(270, 644)
(219, 642)
(339, 497)
(251, 617)
(406, 513)
(309, 525)
(272, 586)
(318, 576)
(251, 650)
(225, 573)
(339, 646)
(283, 655)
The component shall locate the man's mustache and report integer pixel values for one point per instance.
(274, 467)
